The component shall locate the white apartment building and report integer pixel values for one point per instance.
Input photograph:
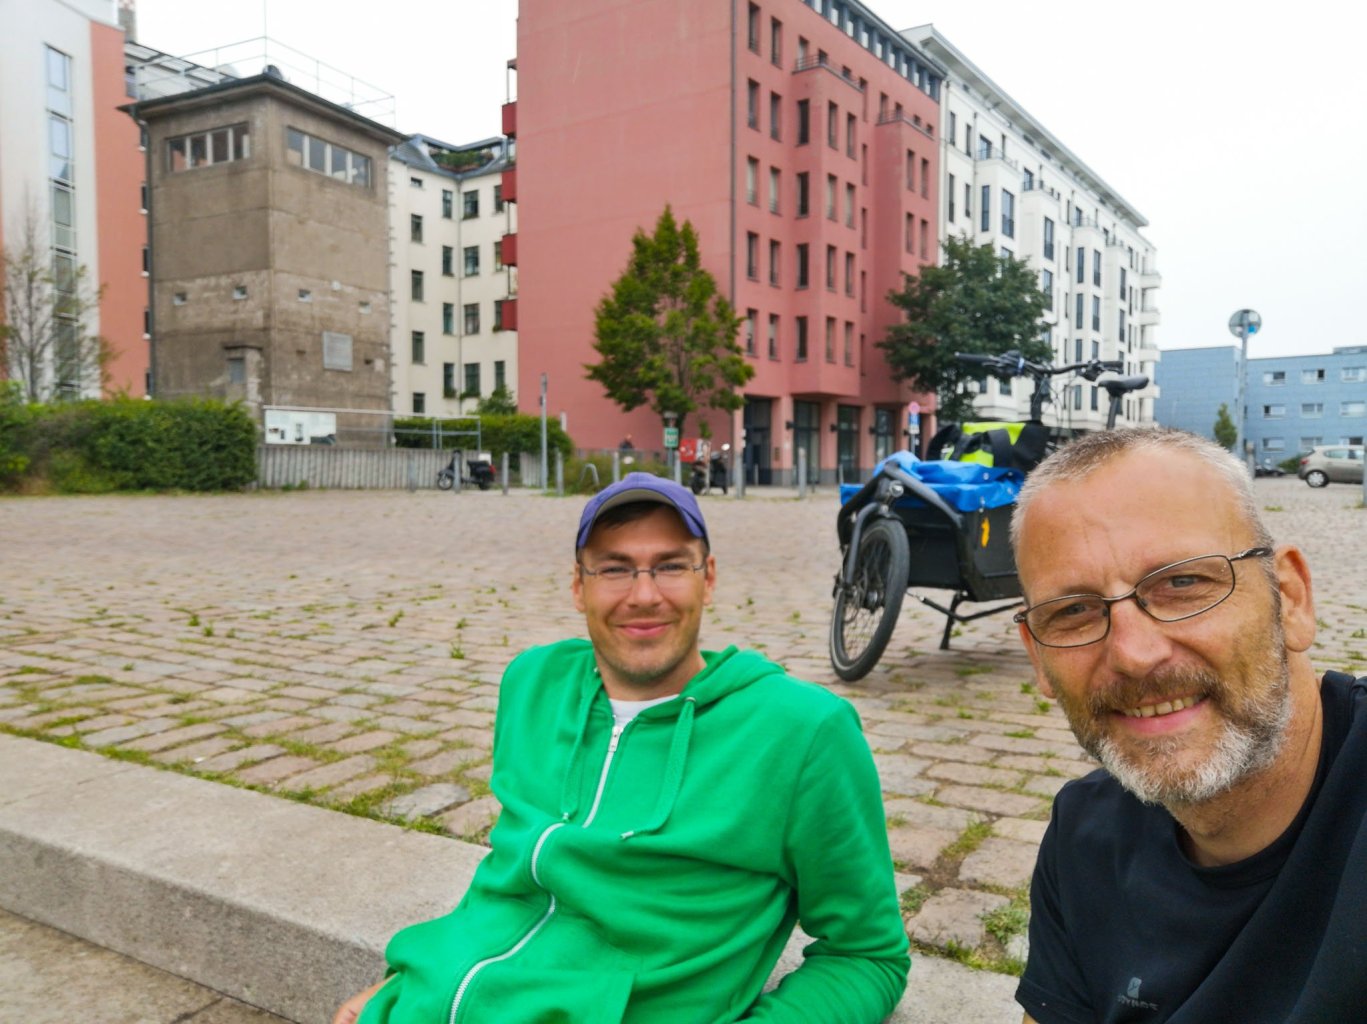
(450, 283)
(1006, 181)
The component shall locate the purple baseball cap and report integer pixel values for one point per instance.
(643, 487)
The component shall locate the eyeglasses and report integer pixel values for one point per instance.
(666, 575)
(1170, 594)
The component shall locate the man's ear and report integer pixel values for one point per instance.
(709, 579)
(1298, 599)
(1032, 651)
(577, 587)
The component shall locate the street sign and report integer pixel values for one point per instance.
(671, 437)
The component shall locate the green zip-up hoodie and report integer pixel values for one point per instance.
(657, 879)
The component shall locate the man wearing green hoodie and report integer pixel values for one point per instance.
(669, 814)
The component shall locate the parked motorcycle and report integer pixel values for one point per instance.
(710, 472)
(481, 469)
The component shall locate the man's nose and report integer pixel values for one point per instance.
(1137, 642)
(651, 591)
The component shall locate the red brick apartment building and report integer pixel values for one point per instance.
(800, 137)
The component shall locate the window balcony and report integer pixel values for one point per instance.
(1149, 279)
(509, 314)
(508, 185)
(510, 119)
(509, 250)
(1147, 317)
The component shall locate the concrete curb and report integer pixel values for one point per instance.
(279, 904)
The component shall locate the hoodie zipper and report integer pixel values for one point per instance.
(465, 982)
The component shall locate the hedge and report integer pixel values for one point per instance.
(126, 444)
(498, 434)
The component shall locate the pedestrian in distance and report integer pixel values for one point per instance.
(1215, 868)
(668, 815)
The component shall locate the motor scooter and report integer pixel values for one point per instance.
(481, 469)
(710, 471)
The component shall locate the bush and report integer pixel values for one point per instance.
(14, 420)
(129, 444)
(513, 434)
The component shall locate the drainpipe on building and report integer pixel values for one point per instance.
(151, 385)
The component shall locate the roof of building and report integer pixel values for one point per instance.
(484, 156)
(934, 43)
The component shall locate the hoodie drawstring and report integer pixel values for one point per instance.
(673, 774)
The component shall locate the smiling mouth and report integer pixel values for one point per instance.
(1166, 707)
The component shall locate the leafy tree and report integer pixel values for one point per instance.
(48, 302)
(665, 336)
(975, 301)
(500, 402)
(1226, 432)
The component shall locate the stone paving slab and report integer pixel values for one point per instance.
(335, 634)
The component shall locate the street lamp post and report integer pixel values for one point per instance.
(1243, 323)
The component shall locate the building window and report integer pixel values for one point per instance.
(237, 370)
(498, 199)
(925, 239)
(951, 198)
(498, 255)
(849, 273)
(448, 203)
(448, 380)
(415, 228)
(1046, 281)
(471, 257)
(832, 125)
(415, 286)
(776, 42)
(1096, 268)
(1274, 444)
(1048, 239)
(1274, 412)
(1081, 264)
(1352, 374)
(471, 380)
(419, 403)
(849, 343)
(985, 208)
(752, 103)
(775, 116)
(1353, 408)
(953, 128)
(498, 314)
(830, 197)
(1008, 214)
(830, 268)
(1312, 410)
(1122, 284)
(1274, 378)
(830, 339)
(752, 181)
(752, 255)
(1077, 319)
(751, 317)
(239, 292)
(803, 193)
(215, 146)
(418, 350)
(1310, 442)
(774, 250)
(909, 242)
(305, 295)
(850, 122)
(801, 332)
(322, 157)
(469, 204)
(849, 205)
(179, 298)
(773, 335)
(448, 261)
(471, 318)
(752, 28)
(415, 183)
(925, 177)
(448, 318)
(804, 122)
(500, 375)
(803, 267)
(1096, 312)
(1312, 376)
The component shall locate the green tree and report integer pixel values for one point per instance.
(665, 335)
(1226, 433)
(975, 301)
(48, 302)
(499, 402)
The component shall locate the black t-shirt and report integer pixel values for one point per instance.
(1125, 928)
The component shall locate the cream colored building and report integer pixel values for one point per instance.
(1005, 180)
(452, 339)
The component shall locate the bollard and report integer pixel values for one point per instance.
(802, 472)
(559, 474)
(616, 466)
(738, 475)
(504, 467)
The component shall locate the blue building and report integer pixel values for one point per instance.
(1294, 402)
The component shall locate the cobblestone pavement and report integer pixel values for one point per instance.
(345, 648)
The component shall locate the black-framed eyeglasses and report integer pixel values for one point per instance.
(1175, 592)
(623, 577)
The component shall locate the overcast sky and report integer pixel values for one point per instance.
(1234, 128)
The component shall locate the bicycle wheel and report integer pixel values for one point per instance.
(866, 611)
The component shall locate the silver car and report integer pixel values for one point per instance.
(1339, 463)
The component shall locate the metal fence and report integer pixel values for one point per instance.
(327, 466)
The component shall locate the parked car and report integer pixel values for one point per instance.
(1336, 463)
(1268, 468)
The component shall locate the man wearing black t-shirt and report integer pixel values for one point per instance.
(1215, 868)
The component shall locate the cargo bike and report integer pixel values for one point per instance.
(944, 524)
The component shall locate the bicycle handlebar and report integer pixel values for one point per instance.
(1014, 364)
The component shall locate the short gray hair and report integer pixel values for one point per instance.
(1078, 459)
